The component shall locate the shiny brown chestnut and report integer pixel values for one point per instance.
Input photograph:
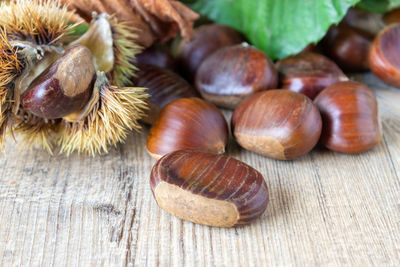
(229, 75)
(64, 87)
(208, 189)
(350, 117)
(280, 124)
(348, 47)
(157, 55)
(308, 73)
(163, 86)
(207, 39)
(188, 123)
(392, 17)
(308, 49)
(384, 56)
(364, 20)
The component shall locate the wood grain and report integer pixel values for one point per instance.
(325, 209)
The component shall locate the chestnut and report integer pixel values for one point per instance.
(229, 75)
(64, 87)
(392, 17)
(348, 47)
(350, 117)
(364, 20)
(207, 39)
(157, 55)
(280, 124)
(384, 57)
(188, 123)
(308, 73)
(163, 86)
(308, 49)
(209, 189)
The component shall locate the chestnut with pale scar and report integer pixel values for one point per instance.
(280, 124)
(209, 189)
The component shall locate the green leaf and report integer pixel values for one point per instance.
(379, 6)
(279, 27)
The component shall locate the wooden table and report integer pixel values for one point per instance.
(326, 208)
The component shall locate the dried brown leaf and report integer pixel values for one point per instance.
(153, 19)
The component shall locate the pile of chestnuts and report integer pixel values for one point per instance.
(281, 110)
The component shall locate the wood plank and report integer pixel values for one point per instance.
(326, 208)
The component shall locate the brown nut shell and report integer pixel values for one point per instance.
(207, 39)
(392, 17)
(163, 86)
(208, 189)
(188, 123)
(229, 75)
(280, 124)
(64, 87)
(384, 56)
(308, 73)
(348, 47)
(350, 117)
(364, 20)
(156, 56)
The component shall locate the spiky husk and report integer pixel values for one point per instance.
(114, 116)
(36, 132)
(42, 22)
(125, 49)
(10, 67)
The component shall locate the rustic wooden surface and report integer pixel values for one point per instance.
(325, 209)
